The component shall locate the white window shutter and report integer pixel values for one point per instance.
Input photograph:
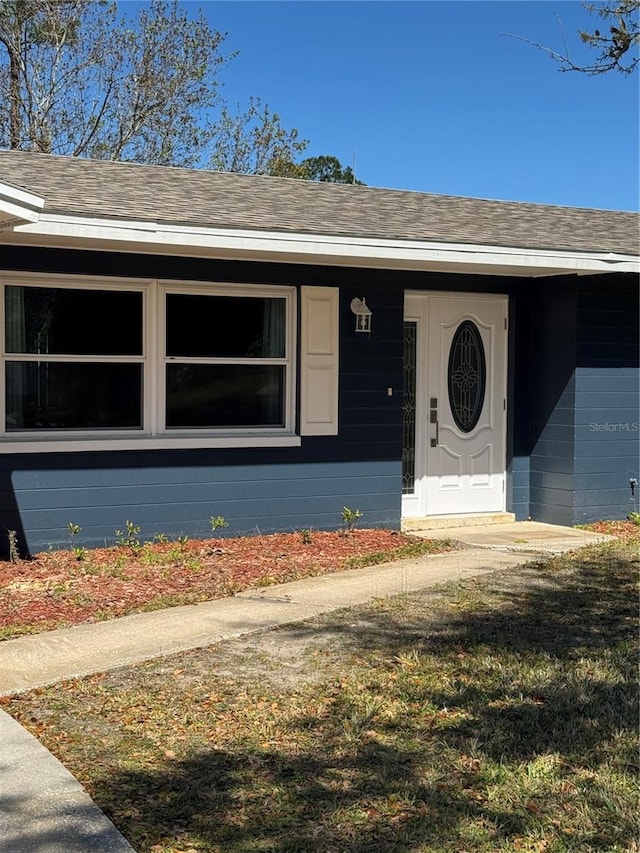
(319, 361)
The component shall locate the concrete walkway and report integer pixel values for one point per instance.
(43, 809)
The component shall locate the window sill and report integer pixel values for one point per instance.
(69, 444)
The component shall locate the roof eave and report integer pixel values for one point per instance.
(18, 206)
(324, 249)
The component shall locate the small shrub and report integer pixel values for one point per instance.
(306, 534)
(79, 552)
(129, 537)
(14, 553)
(217, 523)
(634, 517)
(350, 517)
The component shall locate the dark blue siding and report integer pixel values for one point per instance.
(585, 401)
(520, 488)
(255, 489)
(552, 353)
(607, 427)
(518, 408)
(573, 364)
(181, 499)
(43, 493)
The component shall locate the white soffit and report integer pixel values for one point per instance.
(326, 249)
(18, 206)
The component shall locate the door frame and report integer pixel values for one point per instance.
(416, 308)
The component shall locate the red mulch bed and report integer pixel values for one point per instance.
(621, 529)
(56, 589)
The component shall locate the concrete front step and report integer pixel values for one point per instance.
(532, 537)
(444, 522)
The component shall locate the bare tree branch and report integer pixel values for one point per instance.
(618, 49)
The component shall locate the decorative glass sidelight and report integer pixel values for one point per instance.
(467, 376)
(409, 402)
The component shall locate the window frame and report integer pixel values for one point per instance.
(153, 434)
(166, 287)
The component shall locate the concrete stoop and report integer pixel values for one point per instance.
(444, 522)
(529, 537)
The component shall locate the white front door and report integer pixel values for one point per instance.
(455, 404)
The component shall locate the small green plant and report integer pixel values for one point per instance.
(306, 534)
(129, 537)
(14, 553)
(182, 541)
(350, 517)
(79, 551)
(160, 538)
(634, 517)
(217, 523)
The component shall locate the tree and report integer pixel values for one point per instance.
(618, 49)
(254, 142)
(328, 169)
(79, 78)
(83, 80)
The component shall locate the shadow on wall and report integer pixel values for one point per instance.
(13, 542)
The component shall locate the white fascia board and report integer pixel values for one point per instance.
(17, 205)
(189, 241)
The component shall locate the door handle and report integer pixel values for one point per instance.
(433, 418)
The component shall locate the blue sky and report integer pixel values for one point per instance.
(431, 97)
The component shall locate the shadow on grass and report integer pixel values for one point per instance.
(545, 670)
(299, 804)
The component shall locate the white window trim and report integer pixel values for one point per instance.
(152, 436)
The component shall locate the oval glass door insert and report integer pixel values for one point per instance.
(466, 376)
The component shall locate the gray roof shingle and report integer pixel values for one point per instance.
(192, 197)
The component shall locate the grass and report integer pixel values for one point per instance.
(497, 714)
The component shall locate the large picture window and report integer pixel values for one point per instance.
(148, 359)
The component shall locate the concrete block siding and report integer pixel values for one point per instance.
(585, 445)
(90, 490)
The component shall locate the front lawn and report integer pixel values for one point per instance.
(496, 714)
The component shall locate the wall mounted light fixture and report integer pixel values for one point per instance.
(363, 314)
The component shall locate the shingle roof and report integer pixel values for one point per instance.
(191, 197)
